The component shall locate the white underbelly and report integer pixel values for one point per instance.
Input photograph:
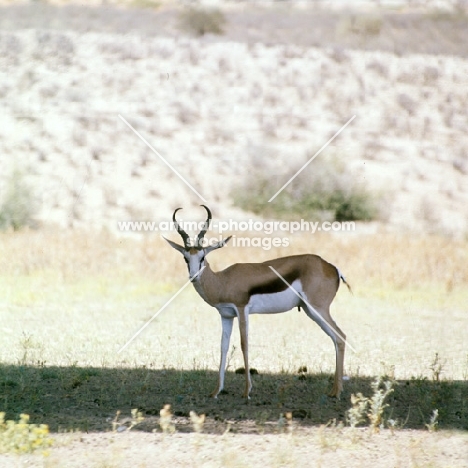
(273, 303)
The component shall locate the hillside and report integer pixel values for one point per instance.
(218, 108)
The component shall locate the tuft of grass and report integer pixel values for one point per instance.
(17, 204)
(201, 21)
(330, 435)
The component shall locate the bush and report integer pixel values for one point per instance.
(200, 21)
(364, 25)
(324, 190)
(17, 204)
(22, 437)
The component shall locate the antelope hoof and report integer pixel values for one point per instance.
(335, 394)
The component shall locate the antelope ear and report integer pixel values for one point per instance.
(175, 246)
(218, 245)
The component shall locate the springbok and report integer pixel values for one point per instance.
(304, 281)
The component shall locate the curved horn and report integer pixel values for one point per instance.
(182, 233)
(207, 225)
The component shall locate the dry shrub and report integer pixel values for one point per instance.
(365, 25)
(326, 190)
(379, 68)
(201, 21)
(407, 103)
(17, 206)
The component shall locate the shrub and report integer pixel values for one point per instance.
(17, 205)
(200, 21)
(364, 25)
(22, 437)
(324, 190)
(372, 407)
(152, 4)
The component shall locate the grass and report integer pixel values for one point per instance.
(65, 312)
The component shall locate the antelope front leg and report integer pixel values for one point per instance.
(225, 339)
(244, 336)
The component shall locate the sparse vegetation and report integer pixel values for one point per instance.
(197, 421)
(372, 407)
(165, 420)
(153, 4)
(377, 403)
(127, 424)
(432, 426)
(325, 190)
(16, 203)
(23, 437)
(361, 24)
(437, 367)
(200, 21)
(357, 413)
(72, 363)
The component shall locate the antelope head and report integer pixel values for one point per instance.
(194, 255)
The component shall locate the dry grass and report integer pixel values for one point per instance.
(406, 290)
(70, 300)
(391, 261)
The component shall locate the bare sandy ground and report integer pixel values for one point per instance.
(310, 448)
